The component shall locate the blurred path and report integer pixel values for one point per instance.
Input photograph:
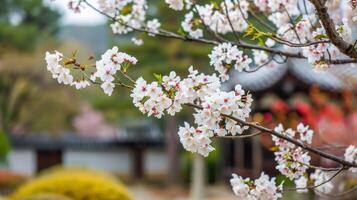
(145, 192)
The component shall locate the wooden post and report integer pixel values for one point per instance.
(257, 156)
(138, 169)
(239, 154)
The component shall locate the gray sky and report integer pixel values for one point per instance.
(86, 17)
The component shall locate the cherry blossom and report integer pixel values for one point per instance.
(319, 177)
(153, 26)
(301, 183)
(305, 133)
(129, 14)
(225, 56)
(196, 140)
(137, 41)
(58, 71)
(293, 31)
(81, 84)
(261, 188)
(175, 4)
(351, 156)
(190, 25)
(292, 161)
(169, 93)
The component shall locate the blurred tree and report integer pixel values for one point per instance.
(165, 55)
(4, 145)
(29, 100)
(24, 23)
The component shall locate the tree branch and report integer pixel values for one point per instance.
(289, 139)
(168, 34)
(345, 47)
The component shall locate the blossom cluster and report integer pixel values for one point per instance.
(105, 69)
(297, 30)
(169, 93)
(179, 4)
(128, 15)
(222, 18)
(261, 188)
(225, 56)
(292, 161)
(108, 66)
(283, 13)
(321, 182)
(227, 18)
(196, 140)
(351, 156)
(59, 70)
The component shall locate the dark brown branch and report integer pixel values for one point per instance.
(345, 47)
(289, 139)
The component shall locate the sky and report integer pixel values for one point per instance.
(86, 17)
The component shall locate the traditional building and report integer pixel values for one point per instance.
(289, 81)
(137, 152)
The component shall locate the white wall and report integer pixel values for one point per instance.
(23, 161)
(155, 162)
(118, 161)
(112, 161)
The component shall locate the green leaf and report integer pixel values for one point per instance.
(298, 19)
(74, 53)
(158, 77)
(215, 5)
(126, 67)
(249, 31)
(261, 42)
(321, 36)
(180, 31)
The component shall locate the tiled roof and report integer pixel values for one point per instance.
(335, 79)
(146, 135)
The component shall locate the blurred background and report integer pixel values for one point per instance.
(50, 134)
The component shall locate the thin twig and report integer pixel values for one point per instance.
(337, 195)
(126, 76)
(241, 136)
(167, 34)
(230, 22)
(315, 186)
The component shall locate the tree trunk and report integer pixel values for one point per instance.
(172, 139)
(198, 178)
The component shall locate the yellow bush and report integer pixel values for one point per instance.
(76, 184)
(47, 196)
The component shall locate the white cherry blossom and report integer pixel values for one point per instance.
(175, 4)
(351, 156)
(153, 27)
(261, 188)
(320, 177)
